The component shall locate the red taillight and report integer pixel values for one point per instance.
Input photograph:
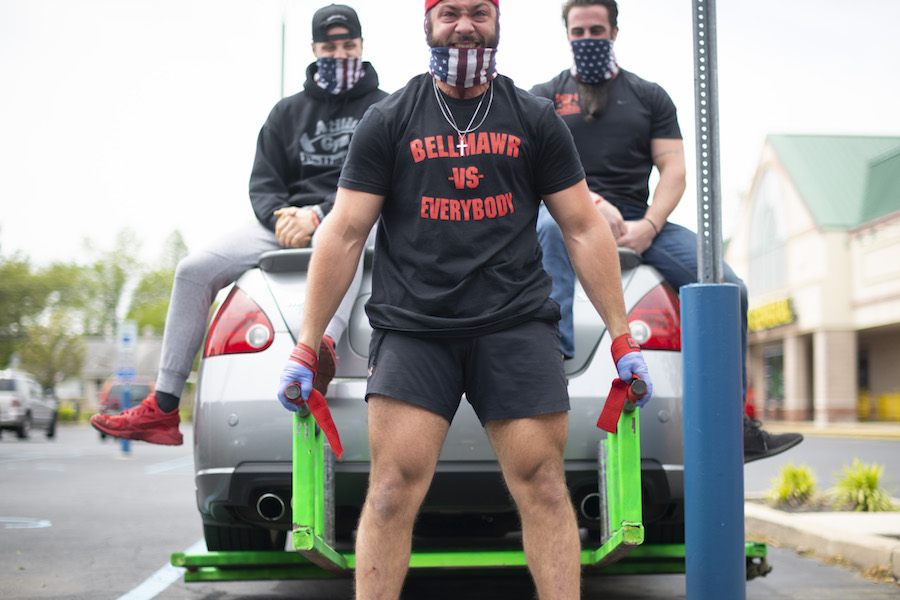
(240, 326)
(655, 322)
(15, 403)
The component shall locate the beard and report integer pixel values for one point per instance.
(490, 42)
(593, 99)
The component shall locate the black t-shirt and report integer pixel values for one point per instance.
(615, 148)
(456, 251)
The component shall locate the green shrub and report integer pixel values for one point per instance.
(859, 489)
(67, 412)
(794, 486)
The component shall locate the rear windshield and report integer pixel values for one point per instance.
(138, 392)
(7, 385)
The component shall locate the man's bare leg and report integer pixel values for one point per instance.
(530, 452)
(405, 442)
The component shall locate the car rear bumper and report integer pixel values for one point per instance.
(229, 496)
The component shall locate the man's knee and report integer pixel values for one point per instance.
(541, 485)
(396, 492)
(731, 277)
(207, 270)
(194, 267)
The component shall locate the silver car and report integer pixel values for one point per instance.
(23, 405)
(242, 435)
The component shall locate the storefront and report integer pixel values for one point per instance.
(819, 249)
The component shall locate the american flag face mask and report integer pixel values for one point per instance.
(336, 75)
(464, 67)
(595, 61)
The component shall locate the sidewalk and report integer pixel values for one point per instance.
(881, 430)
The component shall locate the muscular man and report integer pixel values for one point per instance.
(299, 154)
(623, 126)
(455, 165)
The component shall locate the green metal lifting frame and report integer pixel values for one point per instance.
(619, 549)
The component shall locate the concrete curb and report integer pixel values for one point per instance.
(865, 551)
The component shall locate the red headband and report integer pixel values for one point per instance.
(429, 4)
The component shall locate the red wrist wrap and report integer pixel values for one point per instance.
(306, 356)
(622, 345)
(620, 390)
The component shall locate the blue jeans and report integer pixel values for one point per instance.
(673, 253)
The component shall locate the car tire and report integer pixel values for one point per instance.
(236, 538)
(24, 429)
(51, 427)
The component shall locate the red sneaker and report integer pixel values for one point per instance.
(145, 422)
(327, 365)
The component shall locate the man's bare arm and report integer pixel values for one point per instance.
(593, 252)
(668, 157)
(338, 247)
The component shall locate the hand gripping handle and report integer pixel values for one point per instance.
(636, 391)
(622, 396)
(293, 393)
(320, 413)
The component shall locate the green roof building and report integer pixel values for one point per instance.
(818, 244)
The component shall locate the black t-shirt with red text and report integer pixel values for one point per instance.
(615, 148)
(456, 251)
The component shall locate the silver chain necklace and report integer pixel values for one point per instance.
(448, 116)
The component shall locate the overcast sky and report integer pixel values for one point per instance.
(144, 114)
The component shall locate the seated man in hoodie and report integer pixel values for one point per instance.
(299, 155)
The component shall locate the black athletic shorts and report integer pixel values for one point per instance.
(509, 374)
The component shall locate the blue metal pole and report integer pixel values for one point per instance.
(715, 564)
(125, 404)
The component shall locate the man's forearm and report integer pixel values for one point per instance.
(668, 158)
(595, 259)
(666, 197)
(331, 271)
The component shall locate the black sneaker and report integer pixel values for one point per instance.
(759, 443)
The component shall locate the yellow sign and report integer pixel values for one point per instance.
(772, 315)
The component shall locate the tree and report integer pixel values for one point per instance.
(150, 302)
(105, 283)
(52, 352)
(174, 249)
(23, 296)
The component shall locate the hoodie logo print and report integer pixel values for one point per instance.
(327, 145)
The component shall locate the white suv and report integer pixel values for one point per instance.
(23, 405)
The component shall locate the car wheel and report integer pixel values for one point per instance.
(51, 428)
(236, 538)
(23, 430)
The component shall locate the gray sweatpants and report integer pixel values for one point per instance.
(198, 278)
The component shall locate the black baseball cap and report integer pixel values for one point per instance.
(331, 15)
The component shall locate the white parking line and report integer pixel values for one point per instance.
(163, 578)
(169, 465)
(24, 523)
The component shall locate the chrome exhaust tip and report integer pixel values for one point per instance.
(270, 507)
(589, 507)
